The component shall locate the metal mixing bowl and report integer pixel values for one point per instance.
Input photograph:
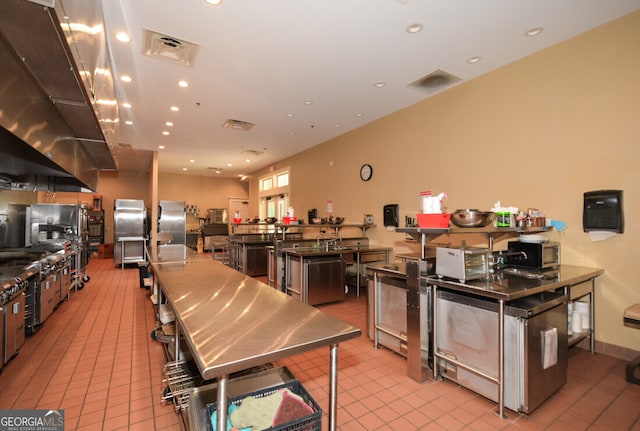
(472, 218)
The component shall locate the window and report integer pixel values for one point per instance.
(283, 179)
(274, 194)
(266, 183)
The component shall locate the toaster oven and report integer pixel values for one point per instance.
(534, 255)
(462, 263)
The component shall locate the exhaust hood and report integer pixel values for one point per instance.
(58, 107)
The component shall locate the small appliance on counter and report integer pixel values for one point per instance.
(462, 263)
(533, 255)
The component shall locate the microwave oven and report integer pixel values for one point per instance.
(534, 255)
(462, 263)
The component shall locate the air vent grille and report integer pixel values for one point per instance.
(253, 152)
(434, 82)
(237, 125)
(169, 48)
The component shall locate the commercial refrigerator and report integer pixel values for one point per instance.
(172, 222)
(130, 231)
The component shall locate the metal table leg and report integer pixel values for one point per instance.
(222, 402)
(501, 359)
(333, 387)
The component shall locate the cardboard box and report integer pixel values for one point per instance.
(105, 251)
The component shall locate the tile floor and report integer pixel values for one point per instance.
(95, 359)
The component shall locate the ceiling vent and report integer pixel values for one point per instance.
(253, 152)
(434, 82)
(169, 48)
(237, 125)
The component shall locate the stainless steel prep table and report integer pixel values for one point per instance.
(357, 251)
(166, 253)
(509, 288)
(232, 322)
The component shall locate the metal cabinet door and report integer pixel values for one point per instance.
(325, 280)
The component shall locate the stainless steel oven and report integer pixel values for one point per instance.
(48, 292)
(13, 285)
(65, 277)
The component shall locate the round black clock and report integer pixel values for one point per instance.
(366, 172)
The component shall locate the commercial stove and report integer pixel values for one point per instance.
(14, 283)
(44, 288)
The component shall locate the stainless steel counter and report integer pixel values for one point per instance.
(312, 251)
(508, 287)
(232, 322)
(174, 253)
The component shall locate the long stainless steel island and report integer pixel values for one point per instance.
(232, 322)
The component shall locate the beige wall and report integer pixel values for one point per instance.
(204, 192)
(537, 133)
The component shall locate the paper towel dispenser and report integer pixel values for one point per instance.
(391, 215)
(603, 211)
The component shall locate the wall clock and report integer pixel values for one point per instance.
(366, 172)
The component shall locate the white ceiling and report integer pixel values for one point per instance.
(259, 61)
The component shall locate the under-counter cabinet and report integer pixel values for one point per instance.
(316, 280)
(503, 293)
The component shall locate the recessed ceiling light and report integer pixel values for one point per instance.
(359, 115)
(247, 160)
(168, 123)
(128, 122)
(126, 78)
(183, 84)
(192, 161)
(291, 114)
(338, 125)
(161, 147)
(175, 108)
(126, 105)
(379, 84)
(184, 169)
(165, 133)
(214, 2)
(533, 32)
(308, 102)
(229, 164)
(123, 37)
(474, 60)
(414, 28)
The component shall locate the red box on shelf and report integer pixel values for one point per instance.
(237, 220)
(434, 221)
(289, 220)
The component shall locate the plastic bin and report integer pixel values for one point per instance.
(312, 422)
(434, 221)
